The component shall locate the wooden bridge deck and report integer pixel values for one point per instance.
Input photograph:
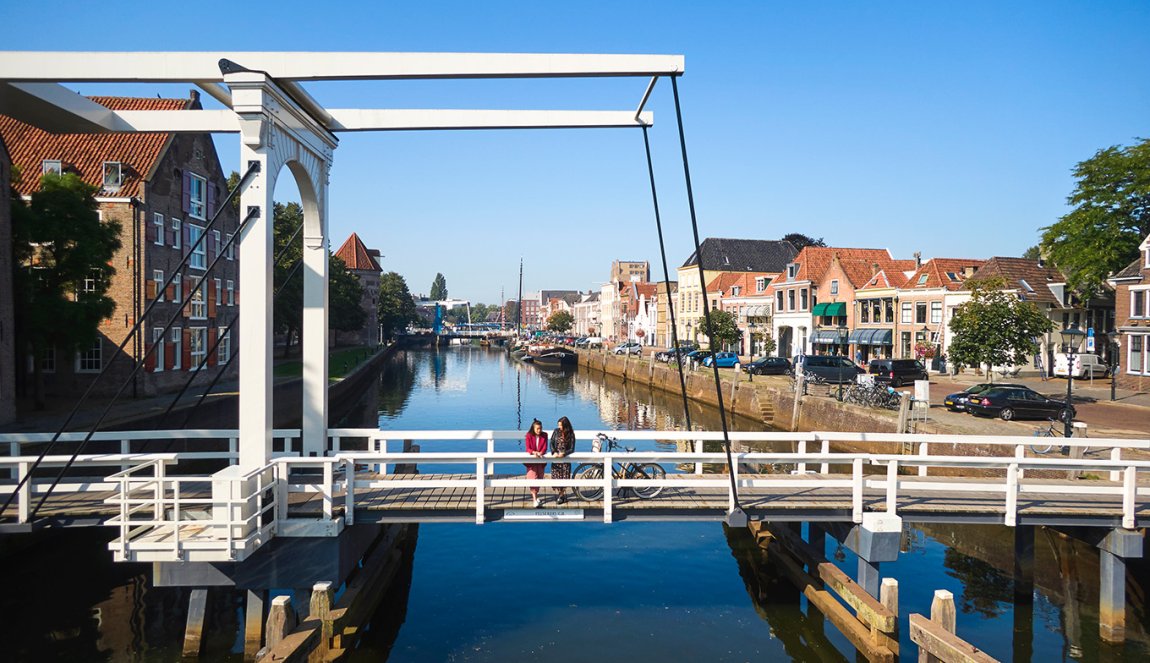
(976, 503)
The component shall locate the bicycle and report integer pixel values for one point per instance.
(1045, 433)
(630, 470)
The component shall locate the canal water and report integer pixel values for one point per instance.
(566, 591)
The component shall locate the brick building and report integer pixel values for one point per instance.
(1132, 318)
(7, 356)
(364, 264)
(163, 189)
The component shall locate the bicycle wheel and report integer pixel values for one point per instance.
(589, 472)
(1041, 448)
(649, 471)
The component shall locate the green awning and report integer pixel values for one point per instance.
(819, 309)
(871, 337)
(834, 308)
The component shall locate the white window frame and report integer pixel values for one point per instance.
(158, 353)
(197, 347)
(54, 166)
(224, 346)
(178, 288)
(177, 336)
(48, 360)
(834, 286)
(216, 237)
(95, 353)
(161, 227)
(158, 279)
(231, 252)
(907, 313)
(198, 306)
(199, 252)
(935, 313)
(177, 233)
(116, 168)
(1141, 368)
(231, 293)
(804, 299)
(1139, 297)
(219, 285)
(197, 205)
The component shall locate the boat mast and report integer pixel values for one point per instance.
(519, 307)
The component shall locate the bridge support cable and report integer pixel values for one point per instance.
(666, 272)
(132, 334)
(736, 516)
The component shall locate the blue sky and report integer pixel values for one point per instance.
(945, 128)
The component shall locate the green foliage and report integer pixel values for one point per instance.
(511, 313)
(801, 241)
(995, 328)
(560, 321)
(62, 266)
(344, 294)
(396, 306)
(1033, 253)
(1111, 217)
(439, 288)
(721, 327)
(767, 345)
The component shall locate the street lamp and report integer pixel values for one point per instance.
(844, 333)
(1072, 339)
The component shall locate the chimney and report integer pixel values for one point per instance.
(917, 259)
(873, 268)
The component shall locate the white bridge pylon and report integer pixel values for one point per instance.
(281, 125)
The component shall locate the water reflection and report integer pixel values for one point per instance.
(396, 381)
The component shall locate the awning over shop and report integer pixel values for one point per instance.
(819, 309)
(871, 337)
(857, 336)
(829, 308)
(758, 311)
(882, 337)
(825, 337)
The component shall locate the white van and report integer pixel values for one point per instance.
(1085, 366)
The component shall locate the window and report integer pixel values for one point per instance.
(906, 344)
(198, 345)
(158, 223)
(48, 360)
(158, 353)
(224, 347)
(760, 284)
(199, 305)
(231, 252)
(198, 247)
(735, 290)
(216, 242)
(1138, 303)
(888, 306)
(90, 360)
(835, 287)
(864, 312)
(219, 292)
(952, 276)
(113, 175)
(90, 282)
(922, 279)
(1134, 358)
(935, 312)
(54, 166)
(197, 196)
(177, 348)
(779, 300)
(791, 300)
(906, 312)
(158, 283)
(792, 270)
(176, 232)
(920, 312)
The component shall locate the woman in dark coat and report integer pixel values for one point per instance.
(562, 445)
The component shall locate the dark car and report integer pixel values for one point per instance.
(831, 368)
(957, 402)
(770, 366)
(670, 354)
(897, 372)
(696, 355)
(1008, 403)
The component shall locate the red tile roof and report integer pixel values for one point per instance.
(938, 270)
(1020, 273)
(814, 261)
(357, 256)
(745, 281)
(85, 154)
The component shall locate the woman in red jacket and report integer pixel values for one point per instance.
(536, 446)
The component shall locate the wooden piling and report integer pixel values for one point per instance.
(319, 610)
(800, 387)
(936, 638)
(281, 621)
(253, 625)
(194, 630)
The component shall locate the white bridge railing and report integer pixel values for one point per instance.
(169, 508)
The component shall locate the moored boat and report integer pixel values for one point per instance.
(556, 357)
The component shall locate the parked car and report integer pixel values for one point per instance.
(897, 372)
(670, 354)
(770, 366)
(629, 348)
(722, 360)
(956, 402)
(590, 342)
(831, 368)
(697, 355)
(1085, 365)
(1008, 403)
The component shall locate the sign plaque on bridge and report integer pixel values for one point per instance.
(543, 514)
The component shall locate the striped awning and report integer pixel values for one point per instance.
(871, 337)
(758, 311)
(825, 337)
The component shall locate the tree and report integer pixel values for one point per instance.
(62, 268)
(560, 321)
(1111, 217)
(345, 294)
(995, 328)
(1033, 253)
(721, 327)
(511, 313)
(396, 305)
(767, 345)
(801, 241)
(439, 288)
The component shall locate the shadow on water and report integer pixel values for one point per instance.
(380, 633)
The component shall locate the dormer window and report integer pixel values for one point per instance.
(952, 276)
(735, 290)
(792, 270)
(760, 284)
(113, 175)
(54, 166)
(922, 279)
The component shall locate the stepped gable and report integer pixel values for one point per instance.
(949, 273)
(1020, 273)
(743, 255)
(85, 154)
(357, 256)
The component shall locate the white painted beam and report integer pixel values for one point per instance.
(56, 109)
(216, 91)
(77, 66)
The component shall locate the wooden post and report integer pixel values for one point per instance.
(800, 386)
(904, 413)
(1112, 598)
(281, 621)
(319, 609)
(194, 631)
(734, 389)
(941, 613)
(888, 594)
(253, 625)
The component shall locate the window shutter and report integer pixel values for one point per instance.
(171, 294)
(150, 290)
(186, 348)
(187, 192)
(187, 239)
(211, 297)
(169, 355)
(150, 232)
(187, 308)
(211, 201)
(211, 343)
(210, 249)
(150, 360)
